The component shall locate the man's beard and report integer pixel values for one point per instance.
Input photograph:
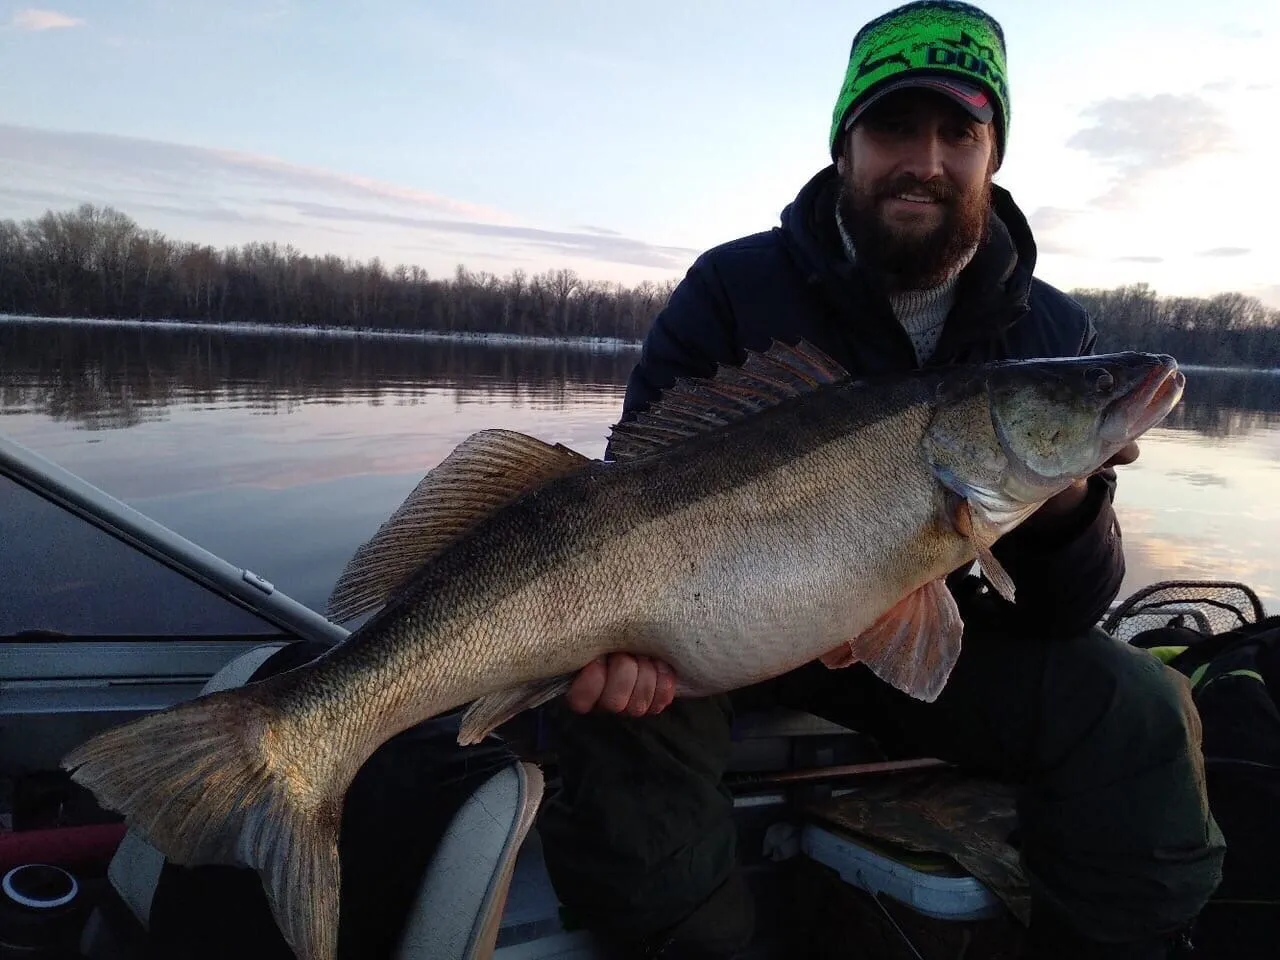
(914, 261)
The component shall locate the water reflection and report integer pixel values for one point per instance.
(283, 453)
(1222, 403)
(103, 377)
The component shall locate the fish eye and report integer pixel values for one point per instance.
(1100, 379)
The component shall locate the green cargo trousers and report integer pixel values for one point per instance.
(1103, 740)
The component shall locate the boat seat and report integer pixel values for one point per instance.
(459, 905)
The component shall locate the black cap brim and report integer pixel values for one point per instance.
(972, 98)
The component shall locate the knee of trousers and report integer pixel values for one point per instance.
(1112, 712)
(1118, 832)
(641, 829)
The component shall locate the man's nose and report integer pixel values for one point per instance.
(924, 157)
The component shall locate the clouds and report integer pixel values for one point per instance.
(1239, 31)
(1151, 133)
(32, 20)
(1049, 219)
(1143, 188)
(1268, 294)
(595, 245)
(1234, 86)
(1137, 136)
(1050, 225)
(71, 156)
(226, 197)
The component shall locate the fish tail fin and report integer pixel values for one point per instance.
(195, 781)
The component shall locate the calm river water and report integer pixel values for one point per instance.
(282, 453)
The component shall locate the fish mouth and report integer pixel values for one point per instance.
(1146, 404)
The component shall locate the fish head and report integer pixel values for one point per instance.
(1010, 435)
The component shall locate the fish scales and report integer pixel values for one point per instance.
(612, 557)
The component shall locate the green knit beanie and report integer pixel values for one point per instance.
(943, 45)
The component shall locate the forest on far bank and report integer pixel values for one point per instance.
(98, 262)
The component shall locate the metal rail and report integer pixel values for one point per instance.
(104, 511)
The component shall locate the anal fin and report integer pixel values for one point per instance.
(913, 646)
(489, 712)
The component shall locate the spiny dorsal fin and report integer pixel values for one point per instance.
(692, 407)
(483, 473)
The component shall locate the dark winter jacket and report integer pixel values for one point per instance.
(795, 282)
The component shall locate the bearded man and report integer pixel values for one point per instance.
(901, 254)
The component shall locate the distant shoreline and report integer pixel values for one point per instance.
(593, 344)
(1207, 368)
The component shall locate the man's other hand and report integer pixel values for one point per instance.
(1059, 508)
(623, 683)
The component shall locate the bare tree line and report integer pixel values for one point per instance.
(97, 262)
(1226, 330)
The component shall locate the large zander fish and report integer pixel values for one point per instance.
(777, 513)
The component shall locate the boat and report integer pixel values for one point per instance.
(108, 615)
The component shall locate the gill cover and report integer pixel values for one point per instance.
(1048, 425)
(966, 457)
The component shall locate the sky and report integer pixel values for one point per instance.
(621, 139)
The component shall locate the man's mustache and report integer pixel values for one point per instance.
(935, 188)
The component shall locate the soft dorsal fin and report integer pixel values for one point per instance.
(483, 473)
(692, 407)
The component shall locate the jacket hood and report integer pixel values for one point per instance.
(994, 286)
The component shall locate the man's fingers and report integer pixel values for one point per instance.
(623, 683)
(584, 693)
(665, 690)
(620, 682)
(1126, 454)
(646, 683)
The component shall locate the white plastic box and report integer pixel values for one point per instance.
(942, 895)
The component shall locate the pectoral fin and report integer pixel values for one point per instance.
(839, 658)
(913, 646)
(972, 522)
